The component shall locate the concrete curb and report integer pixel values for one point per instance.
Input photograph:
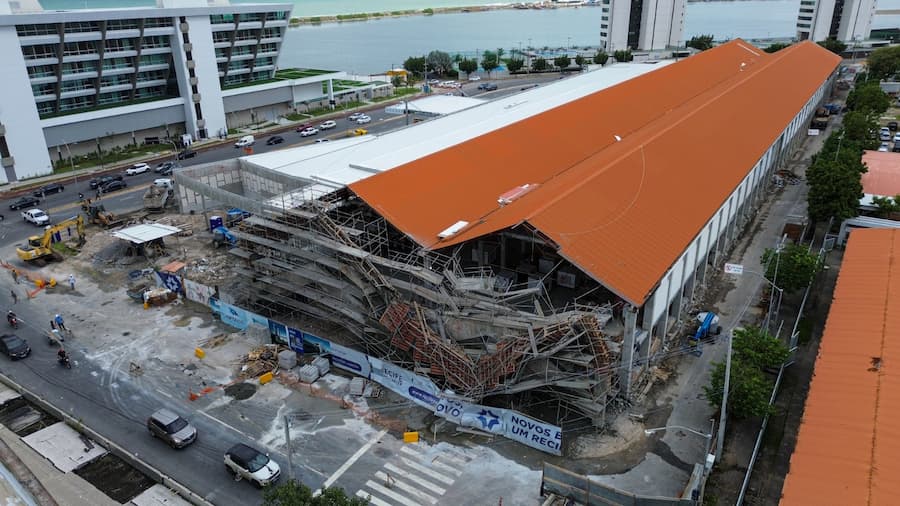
(112, 447)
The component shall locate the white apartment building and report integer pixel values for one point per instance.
(83, 80)
(844, 20)
(643, 25)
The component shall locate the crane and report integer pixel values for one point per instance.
(38, 249)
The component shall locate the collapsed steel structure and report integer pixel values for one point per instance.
(502, 319)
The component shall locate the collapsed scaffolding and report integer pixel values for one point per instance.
(477, 334)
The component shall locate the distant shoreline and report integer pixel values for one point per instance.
(369, 16)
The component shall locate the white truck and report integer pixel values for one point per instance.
(36, 217)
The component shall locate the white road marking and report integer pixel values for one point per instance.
(429, 472)
(453, 458)
(167, 394)
(410, 489)
(346, 465)
(441, 467)
(390, 493)
(421, 481)
(374, 501)
(224, 424)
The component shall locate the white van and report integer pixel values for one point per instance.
(164, 183)
(245, 141)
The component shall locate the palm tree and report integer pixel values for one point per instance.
(500, 52)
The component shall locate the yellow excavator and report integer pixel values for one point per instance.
(38, 249)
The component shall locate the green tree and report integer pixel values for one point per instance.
(562, 62)
(500, 53)
(792, 269)
(457, 58)
(859, 127)
(868, 98)
(887, 205)
(291, 493)
(415, 65)
(439, 61)
(701, 42)
(397, 81)
(515, 64)
(834, 189)
(833, 45)
(468, 66)
(539, 65)
(754, 351)
(623, 55)
(489, 62)
(884, 62)
(774, 48)
(579, 60)
(600, 58)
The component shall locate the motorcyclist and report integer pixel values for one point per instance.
(11, 317)
(62, 355)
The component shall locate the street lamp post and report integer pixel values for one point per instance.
(174, 150)
(71, 162)
(287, 437)
(706, 435)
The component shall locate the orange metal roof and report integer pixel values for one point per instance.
(849, 437)
(883, 177)
(690, 133)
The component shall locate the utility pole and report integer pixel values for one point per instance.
(720, 438)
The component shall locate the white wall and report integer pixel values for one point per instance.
(662, 24)
(207, 74)
(856, 22)
(18, 112)
(618, 25)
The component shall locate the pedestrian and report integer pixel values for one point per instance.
(72, 281)
(15, 297)
(97, 197)
(15, 275)
(80, 196)
(53, 324)
(59, 322)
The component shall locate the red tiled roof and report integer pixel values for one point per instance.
(624, 211)
(849, 438)
(883, 176)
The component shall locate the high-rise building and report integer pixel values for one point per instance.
(844, 20)
(75, 79)
(642, 24)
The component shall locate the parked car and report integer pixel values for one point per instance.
(434, 82)
(885, 136)
(112, 186)
(884, 147)
(47, 189)
(303, 126)
(14, 346)
(896, 147)
(892, 126)
(897, 137)
(245, 141)
(275, 139)
(164, 166)
(23, 202)
(171, 428)
(327, 125)
(309, 131)
(355, 116)
(36, 217)
(363, 120)
(245, 462)
(489, 87)
(187, 153)
(138, 168)
(474, 78)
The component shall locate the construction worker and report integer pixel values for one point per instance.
(15, 297)
(59, 322)
(72, 281)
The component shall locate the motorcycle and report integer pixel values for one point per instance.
(64, 361)
(12, 321)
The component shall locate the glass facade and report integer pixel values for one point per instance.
(242, 48)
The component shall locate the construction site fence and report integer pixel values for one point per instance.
(584, 491)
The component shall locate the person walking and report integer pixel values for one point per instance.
(53, 324)
(15, 297)
(15, 275)
(72, 281)
(59, 322)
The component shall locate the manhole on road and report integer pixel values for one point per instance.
(241, 391)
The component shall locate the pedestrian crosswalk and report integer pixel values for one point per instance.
(413, 477)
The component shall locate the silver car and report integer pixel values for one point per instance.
(171, 428)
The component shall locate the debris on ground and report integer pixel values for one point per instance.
(214, 341)
(259, 361)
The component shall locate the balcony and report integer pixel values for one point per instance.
(224, 43)
(150, 83)
(115, 87)
(46, 60)
(82, 36)
(33, 40)
(223, 27)
(270, 40)
(117, 71)
(239, 57)
(87, 92)
(156, 50)
(119, 53)
(43, 79)
(159, 30)
(144, 67)
(130, 33)
(245, 42)
(90, 74)
(81, 57)
(250, 25)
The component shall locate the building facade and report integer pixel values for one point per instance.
(641, 24)
(84, 81)
(844, 20)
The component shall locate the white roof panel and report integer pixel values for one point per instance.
(352, 159)
(140, 234)
(438, 105)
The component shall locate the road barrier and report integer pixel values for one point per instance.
(132, 459)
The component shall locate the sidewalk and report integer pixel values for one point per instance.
(46, 484)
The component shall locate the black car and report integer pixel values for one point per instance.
(164, 166)
(14, 346)
(187, 153)
(112, 186)
(275, 139)
(892, 126)
(101, 181)
(26, 201)
(47, 189)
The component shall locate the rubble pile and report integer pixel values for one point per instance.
(260, 360)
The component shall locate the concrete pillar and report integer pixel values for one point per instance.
(330, 86)
(629, 314)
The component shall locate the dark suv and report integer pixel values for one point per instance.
(171, 428)
(47, 189)
(100, 181)
(14, 346)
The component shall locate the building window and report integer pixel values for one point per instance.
(82, 26)
(113, 97)
(41, 71)
(261, 62)
(805, 18)
(155, 41)
(116, 63)
(39, 51)
(154, 59)
(121, 24)
(269, 33)
(77, 48)
(221, 36)
(241, 50)
(149, 92)
(113, 45)
(218, 19)
(45, 108)
(43, 89)
(153, 75)
(37, 29)
(271, 16)
(250, 17)
(268, 47)
(241, 78)
(115, 80)
(157, 22)
(77, 85)
(78, 67)
(245, 35)
(72, 103)
(237, 65)
(221, 52)
(261, 75)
